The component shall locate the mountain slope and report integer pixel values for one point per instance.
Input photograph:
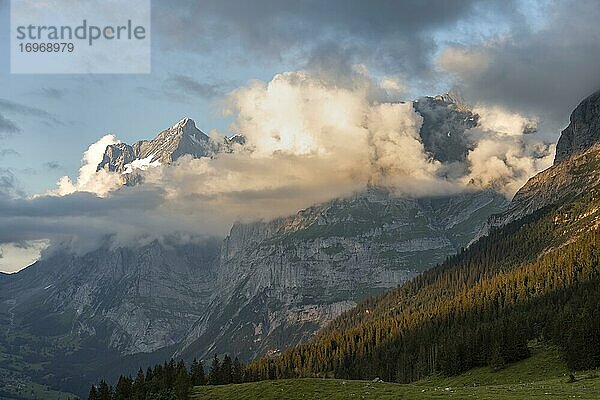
(103, 306)
(280, 281)
(536, 275)
(566, 180)
(479, 308)
(265, 287)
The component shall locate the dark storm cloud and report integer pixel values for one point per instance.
(77, 204)
(395, 34)
(28, 111)
(7, 127)
(52, 165)
(189, 86)
(8, 153)
(546, 71)
(79, 215)
(51, 93)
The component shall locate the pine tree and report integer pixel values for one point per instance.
(104, 391)
(93, 393)
(226, 370)
(139, 386)
(182, 384)
(123, 389)
(214, 377)
(497, 361)
(170, 373)
(238, 371)
(197, 373)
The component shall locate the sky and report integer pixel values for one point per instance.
(219, 62)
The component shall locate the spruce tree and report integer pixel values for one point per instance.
(93, 393)
(226, 370)
(139, 386)
(214, 377)
(104, 391)
(238, 371)
(124, 389)
(197, 373)
(182, 384)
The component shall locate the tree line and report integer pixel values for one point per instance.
(170, 381)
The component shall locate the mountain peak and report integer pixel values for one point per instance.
(186, 124)
(181, 139)
(583, 130)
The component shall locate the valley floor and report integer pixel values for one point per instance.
(543, 375)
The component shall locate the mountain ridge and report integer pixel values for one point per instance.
(181, 139)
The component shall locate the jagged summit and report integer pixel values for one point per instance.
(185, 121)
(583, 130)
(181, 139)
(445, 122)
(185, 126)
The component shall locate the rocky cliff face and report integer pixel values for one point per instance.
(133, 299)
(583, 130)
(573, 176)
(280, 281)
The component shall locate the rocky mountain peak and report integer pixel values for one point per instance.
(186, 127)
(183, 138)
(445, 123)
(583, 130)
(185, 122)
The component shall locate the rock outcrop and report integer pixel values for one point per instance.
(583, 130)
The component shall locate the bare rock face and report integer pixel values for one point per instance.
(116, 156)
(583, 130)
(280, 281)
(183, 138)
(445, 122)
(133, 300)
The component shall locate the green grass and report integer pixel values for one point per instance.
(543, 375)
(32, 391)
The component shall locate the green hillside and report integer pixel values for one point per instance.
(543, 375)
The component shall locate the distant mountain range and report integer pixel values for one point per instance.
(265, 287)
